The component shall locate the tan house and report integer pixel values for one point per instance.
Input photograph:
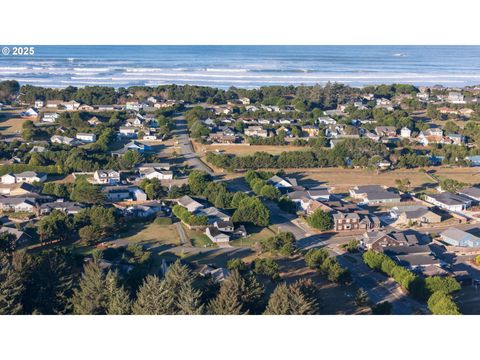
(415, 215)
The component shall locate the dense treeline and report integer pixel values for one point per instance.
(361, 152)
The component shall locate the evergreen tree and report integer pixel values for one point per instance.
(52, 283)
(229, 300)
(289, 300)
(152, 298)
(179, 285)
(119, 302)
(11, 288)
(91, 297)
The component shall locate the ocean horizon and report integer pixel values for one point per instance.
(243, 66)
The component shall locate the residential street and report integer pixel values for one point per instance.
(186, 147)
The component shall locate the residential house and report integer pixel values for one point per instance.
(471, 192)
(30, 177)
(405, 133)
(355, 221)
(71, 105)
(65, 140)
(460, 238)
(29, 113)
(224, 226)
(216, 274)
(68, 207)
(18, 204)
(50, 117)
(449, 201)
(124, 193)
(386, 131)
(154, 173)
(54, 104)
(39, 104)
(374, 195)
(132, 145)
(109, 177)
(311, 130)
(377, 240)
(456, 139)
(456, 97)
(94, 121)
(213, 214)
(85, 107)
(216, 235)
(256, 131)
(21, 238)
(326, 120)
(86, 137)
(133, 105)
(190, 204)
(128, 132)
(417, 214)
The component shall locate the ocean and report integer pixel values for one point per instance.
(243, 66)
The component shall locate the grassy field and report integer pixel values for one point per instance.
(151, 234)
(10, 123)
(343, 179)
(244, 149)
(199, 239)
(254, 236)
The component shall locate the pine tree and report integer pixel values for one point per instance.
(179, 286)
(289, 300)
(11, 288)
(253, 295)
(152, 298)
(119, 302)
(229, 300)
(189, 301)
(53, 284)
(91, 297)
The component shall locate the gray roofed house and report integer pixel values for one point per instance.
(67, 207)
(190, 204)
(18, 204)
(21, 237)
(414, 214)
(216, 235)
(460, 238)
(449, 201)
(121, 193)
(418, 261)
(374, 195)
(213, 214)
(471, 192)
(376, 240)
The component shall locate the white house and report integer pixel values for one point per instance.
(159, 174)
(65, 140)
(8, 179)
(133, 105)
(128, 132)
(30, 177)
(71, 105)
(216, 235)
(449, 201)
(29, 113)
(111, 177)
(405, 132)
(326, 120)
(39, 103)
(50, 117)
(86, 137)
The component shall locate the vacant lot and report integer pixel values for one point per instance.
(10, 122)
(150, 234)
(244, 149)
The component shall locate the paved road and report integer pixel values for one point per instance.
(186, 146)
(378, 286)
(181, 233)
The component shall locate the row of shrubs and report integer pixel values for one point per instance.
(434, 290)
(187, 218)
